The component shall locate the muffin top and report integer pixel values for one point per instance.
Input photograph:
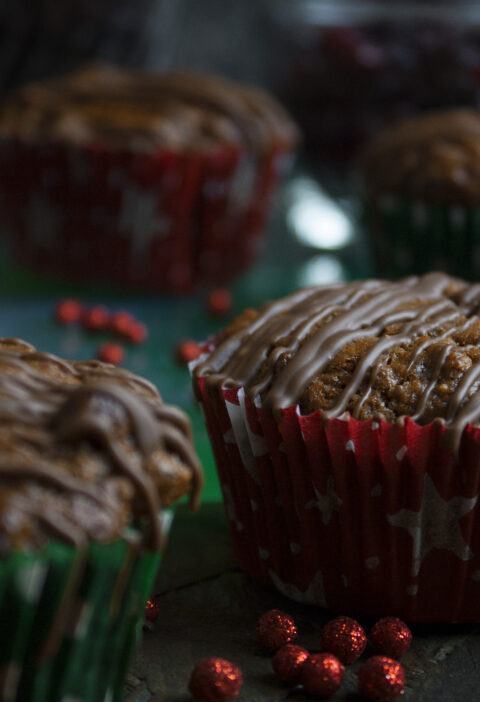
(433, 158)
(87, 451)
(371, 349)
(141, 111)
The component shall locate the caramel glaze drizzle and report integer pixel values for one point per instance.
(350, 311)
(47, 411)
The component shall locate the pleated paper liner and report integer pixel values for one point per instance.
(362, 517)
(162, 221)
(412, 237)
(70, 620)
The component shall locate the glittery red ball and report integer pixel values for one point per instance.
(321, 674)
(288, 661)
(120, 323)
(137, 333)
(215, 680)
(219, 302)
(345, 638)
(275, 629)
(391, 636)
(68, 311)
(381, 679)
(187, 351)
(110, 353)
(152, 610)
(96, 318)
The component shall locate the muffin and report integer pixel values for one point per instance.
(90, 457)
(420, 185)
(160, 181)
(345, 422)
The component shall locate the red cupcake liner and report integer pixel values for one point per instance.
(362, 517)
(164, 220)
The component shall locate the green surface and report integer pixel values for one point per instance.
(27, 304)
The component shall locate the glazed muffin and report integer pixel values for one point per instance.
(420, 184)
(163, 180)
(90, 458)
(345, 422)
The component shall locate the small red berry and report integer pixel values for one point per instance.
(345, 638)
(120, 323)
(322, 674)
(137, 333)
(96, 318)
(68, 311)
(288, 661)
(219, 302)
(275, 629)
(111, 353)
(391, 636)
(381, 679)
(152, 610)
(187, 351)
(215, 680)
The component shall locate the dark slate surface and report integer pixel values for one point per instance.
(210, 608)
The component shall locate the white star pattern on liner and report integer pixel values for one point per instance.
(372, 563)
(257, 442)
(230, 507)
(140, 219)
(350, 446)
(435, 525)
(314, 594)
(43, 222)
(326, 503)
(243, 436)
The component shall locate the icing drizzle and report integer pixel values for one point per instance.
(310, 327)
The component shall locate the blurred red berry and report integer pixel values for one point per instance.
(68, 311)
(219, 302)
(111, 353)
(187, 351)
(137, 333)
(96, 318)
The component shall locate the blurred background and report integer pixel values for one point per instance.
(343, 68)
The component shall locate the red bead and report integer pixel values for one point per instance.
(137, 333)
(120, 323)
(68, 311)
(152, 610)
(219, 302)
(391, 637)
(321, 674)
(96, 318)
(215, 680)
(275, 629)
(381, 679)
(288, 661)
(111, 353)
(187, 351)
(345, 638)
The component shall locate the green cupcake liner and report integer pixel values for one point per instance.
(97, 599)
(413, 237)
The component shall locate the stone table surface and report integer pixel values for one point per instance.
(210, 608)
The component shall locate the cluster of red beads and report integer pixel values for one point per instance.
(120, 324)
(380, 678)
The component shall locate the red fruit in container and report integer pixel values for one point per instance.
(68, 311)
(96, 318)
(111, 353)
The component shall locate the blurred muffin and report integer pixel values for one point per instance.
(90, 457)
(420, 184)
(160, 181)
(345, 422)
